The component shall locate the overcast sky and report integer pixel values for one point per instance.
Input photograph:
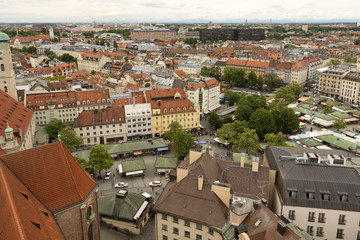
(175, 10)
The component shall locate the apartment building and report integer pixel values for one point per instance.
(92, 61)
(205, 92)
(153, 34)
(258, 67)
(169, 105)
(299, 73)
(189, 68)
(350, 88)
(65, 106)
(329, 82)
(282, 69)
(316, 190)
(209, 200)
(101, 126)
(139, 121)
(314, 63)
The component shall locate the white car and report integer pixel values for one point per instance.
(107, 175)
(121, 185)
(155, 184)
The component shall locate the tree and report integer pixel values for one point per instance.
(173, 128)
(252, 79)
(339, 124)
(69, 138)
(227, 119)
(328, 109)
(285, 119)
(212, 71)
(102, 42)
(93, 72)
(246, 141)
(234, 75)
(333, 62)
(215, 120)
(273, 139)
(54, 127)
(285, 94)
(67, 58)
(100, 158)
(357, 41)
(229, 132)
(115, 44)
(50, 54)
(350, 59)
(84, 164)
(233, 97)
(263, 122)
(260, 82)
(272, 80)
(243, 112)
(182, 142)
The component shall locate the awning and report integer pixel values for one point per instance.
(134, 173)
(137, 152)
(141, 210)
(163, 149)
(201, 126)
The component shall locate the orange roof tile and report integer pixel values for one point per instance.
(52, 174)
(236, 62)
(14, 114)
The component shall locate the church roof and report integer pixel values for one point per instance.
(4, 38)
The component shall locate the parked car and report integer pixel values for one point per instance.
(121, 185)
(107, 175)
(155, 184)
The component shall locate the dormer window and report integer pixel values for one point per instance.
(171, 109)
(325, 196)
(184, 108)
(292, 193)
(165, 110)
(178, 109)
(343, 197)
(310, 195)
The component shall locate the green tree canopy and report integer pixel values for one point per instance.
(234, 75)
(285, 119)
(243, 112)
(212, 71)
(69, 138)
(88, 34)
(260, 82)
(67, 58)
(230, 132)
(182, 142)
(115, 44)
(50, 54)
(273, 139)
(328, 109)
(227, 119)
(100, 158)
(232, 96)
(272, 80)
(263, 122)
(85, 165)
(339, 124)
(54, 127)
(350, 59)
(246, 141)
(174, 127)
(290, 92)
(333, 62)
(215, 120)
(252, 79)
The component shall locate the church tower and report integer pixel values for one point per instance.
(51, 33)
(7, 77)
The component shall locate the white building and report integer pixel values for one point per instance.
(350, 88)
(315, 190)
(205, 92)
(139, 121)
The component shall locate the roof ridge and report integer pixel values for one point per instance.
(11, 201)
(70, 170)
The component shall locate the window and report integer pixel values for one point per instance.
(198, 237)
(310, 195)
(165, 237)
(211, 231)
(164, 216)
(176, 220)
(309, 230)
(321, 217)
(175, 230)
(325, 196)
(187, 223)
(340, 233)
(343, 198)
(358, 236)
(2, 67)
(292, 214)
(311, 217)
(187, 234)
(319, 231)
(164, 227)
(198, 226)
(342, 219)
(293, 193)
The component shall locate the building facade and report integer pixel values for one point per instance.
(329, 83)
(153, 34)
(316, 190)
(169, 105)
(138, 121)
(350, 88)
(92, 62)
(205, 92)
(101, 126)
(7, 77)
(232, 34)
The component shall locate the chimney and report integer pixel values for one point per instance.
(243, 236)
(200, 182)
(255, 164)
(181, 173)
(281, 228)
(242, 160)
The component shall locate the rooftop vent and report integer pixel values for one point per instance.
(281, 228)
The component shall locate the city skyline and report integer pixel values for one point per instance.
(184, 11)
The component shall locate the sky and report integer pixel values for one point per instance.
(158, 11)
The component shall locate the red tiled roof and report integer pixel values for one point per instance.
(100, 117)
(56, 71)
(280, 65)
(132, 87)
(93, 96)
(60, 99)
(20, 210)
(29, 39)
(80, 75)
(68, 66)
(14, 114)
(181, 74)
(257, 64)
(300, 65)
(236, 62)
(52, 174)
(57, 84)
